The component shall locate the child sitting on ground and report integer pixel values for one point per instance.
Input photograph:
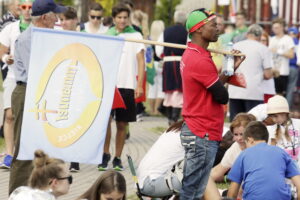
(110, 185)
(262, 168)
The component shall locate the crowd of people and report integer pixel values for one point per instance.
(191, 87)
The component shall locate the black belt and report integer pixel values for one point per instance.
(21, 83)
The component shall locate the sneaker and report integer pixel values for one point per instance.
(74, 167)
(117, 164)
(6, 162)
(139, 118)
(104, 164)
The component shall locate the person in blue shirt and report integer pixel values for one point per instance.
(262, 168)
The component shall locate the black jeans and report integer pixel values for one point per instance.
(241, 105)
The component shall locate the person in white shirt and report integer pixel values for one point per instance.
(154, 171)
(8, 36)
(94, 24)
(256, 68)
(285, 133)
(282, 47)
(268, 85)
(132, 64)
(49, 179)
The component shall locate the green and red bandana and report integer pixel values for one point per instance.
(198, 18)
(25, 1)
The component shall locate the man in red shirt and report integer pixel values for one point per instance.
(203, 96)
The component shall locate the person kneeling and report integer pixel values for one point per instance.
(155, 174)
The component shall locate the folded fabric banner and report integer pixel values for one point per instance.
(71, 84)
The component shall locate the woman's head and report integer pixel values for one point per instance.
(50, 173)
(111, 185)
(278, 109)
(238, 126)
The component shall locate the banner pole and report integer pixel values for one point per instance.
(179, 46)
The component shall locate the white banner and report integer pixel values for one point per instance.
(70, 89)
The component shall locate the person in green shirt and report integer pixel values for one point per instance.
(239, 33)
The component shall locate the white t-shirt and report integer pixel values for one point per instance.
(283, 44)
(259, 111)
(231, 155)
(8, 36)
(24, 192)
(165, 152)
(269, 85)
(257, 60)
(128, 68)
(288, 146)
(298, 54)
(102, 29)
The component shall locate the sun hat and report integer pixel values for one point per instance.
(198, 18)
(277, 104)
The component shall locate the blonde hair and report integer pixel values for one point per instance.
(157, 28)
(139, 18)
(278, 132)
(241, 119)
(44, 169)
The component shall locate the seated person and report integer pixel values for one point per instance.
(49, 179)
(110, 185)
(285, 133)
(262, 168)
(225, 144)
(154, 171)
(237, 127)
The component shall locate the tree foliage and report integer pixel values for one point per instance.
(165, 11)
(107, 5)
(65, 2)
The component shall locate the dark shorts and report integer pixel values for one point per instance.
(128, 114)
(281, 84)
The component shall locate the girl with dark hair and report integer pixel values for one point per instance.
(110, 185)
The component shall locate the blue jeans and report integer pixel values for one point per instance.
(292, 82)
(199, 158)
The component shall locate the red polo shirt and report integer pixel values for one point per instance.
(201, 113)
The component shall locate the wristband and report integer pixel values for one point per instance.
(4, 58)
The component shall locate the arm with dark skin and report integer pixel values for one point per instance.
(219, 92)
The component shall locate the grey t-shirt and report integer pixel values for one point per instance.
(22, 55)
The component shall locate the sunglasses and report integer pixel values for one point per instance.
(25, 7)
(95, 17)
(70, 179)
